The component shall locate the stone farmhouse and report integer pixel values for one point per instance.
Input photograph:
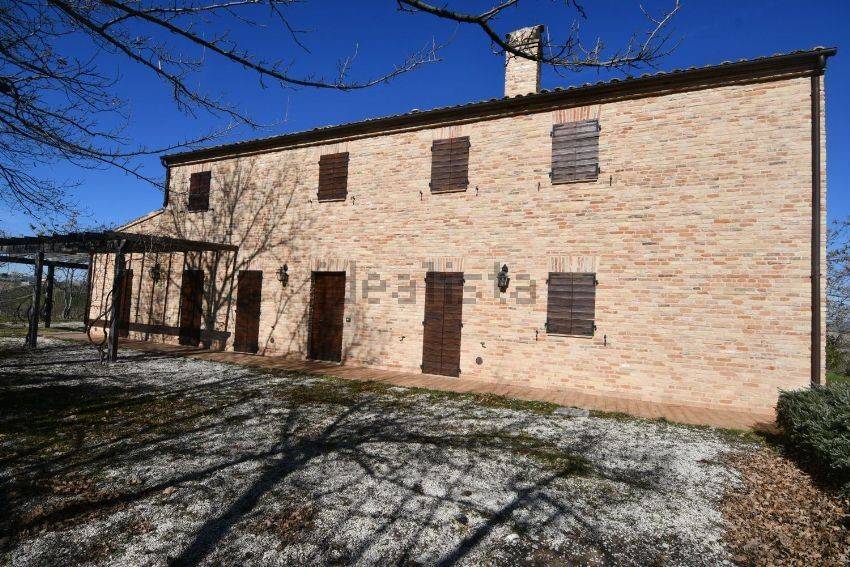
(658, 238)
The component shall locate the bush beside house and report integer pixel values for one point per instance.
(837, 366)
(816, 422)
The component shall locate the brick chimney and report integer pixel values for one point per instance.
(522, 76)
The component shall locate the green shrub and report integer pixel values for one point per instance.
(836, 358)
(816, 423)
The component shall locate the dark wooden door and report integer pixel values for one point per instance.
(126, 287)
(442, 324)
(327, 309)
(248, 293)
(191, 304)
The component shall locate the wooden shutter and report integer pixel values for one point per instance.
(199, 191)
(575, 151)
(572, 303)
(333, 177)
(452, 323)
(450, 165)
(432, 337)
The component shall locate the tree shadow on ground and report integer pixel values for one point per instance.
(71, 425)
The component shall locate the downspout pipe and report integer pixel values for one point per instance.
(167, 181)
(816, 221)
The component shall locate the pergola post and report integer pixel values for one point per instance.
(89, 278)
(117, 300)
(32, 332)
(48, 297)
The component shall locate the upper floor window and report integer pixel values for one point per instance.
(333, 177)
(575, 151)
(199, 191)
(450, 165)
(571, 307)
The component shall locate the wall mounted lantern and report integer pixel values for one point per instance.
(502, 279)
(282, 275)
(155, 273)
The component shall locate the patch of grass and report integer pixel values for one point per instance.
(320, 392)
(615, 415)
(565, 464)
(332, 390)
(488, 400)
(836, 378)
(341, 391)
(502, 402)
(732, 435)
(63, 419)
(543, 453)
(8, 331)
(728, 434)
(345, 392)
(546, 455)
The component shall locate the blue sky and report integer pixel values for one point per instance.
(710, 32)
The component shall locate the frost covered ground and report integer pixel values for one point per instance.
(161, 460)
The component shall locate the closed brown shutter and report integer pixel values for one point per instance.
(333, 177)
(575, 151)
(571, 307)
(450, 165)
(199, 191)
(432, 330)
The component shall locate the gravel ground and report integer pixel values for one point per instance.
(162, 460)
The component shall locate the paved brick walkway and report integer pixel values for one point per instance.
(574, 398)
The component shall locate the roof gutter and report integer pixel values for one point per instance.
(792, 64)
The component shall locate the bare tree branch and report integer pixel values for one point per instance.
(570, 53)
(58, 107)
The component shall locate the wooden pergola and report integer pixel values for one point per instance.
(76, 250)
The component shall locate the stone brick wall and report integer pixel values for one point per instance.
(698, 229)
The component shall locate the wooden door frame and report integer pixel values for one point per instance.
(313, 275)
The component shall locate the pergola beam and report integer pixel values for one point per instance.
(47, 262)
(106, 242)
